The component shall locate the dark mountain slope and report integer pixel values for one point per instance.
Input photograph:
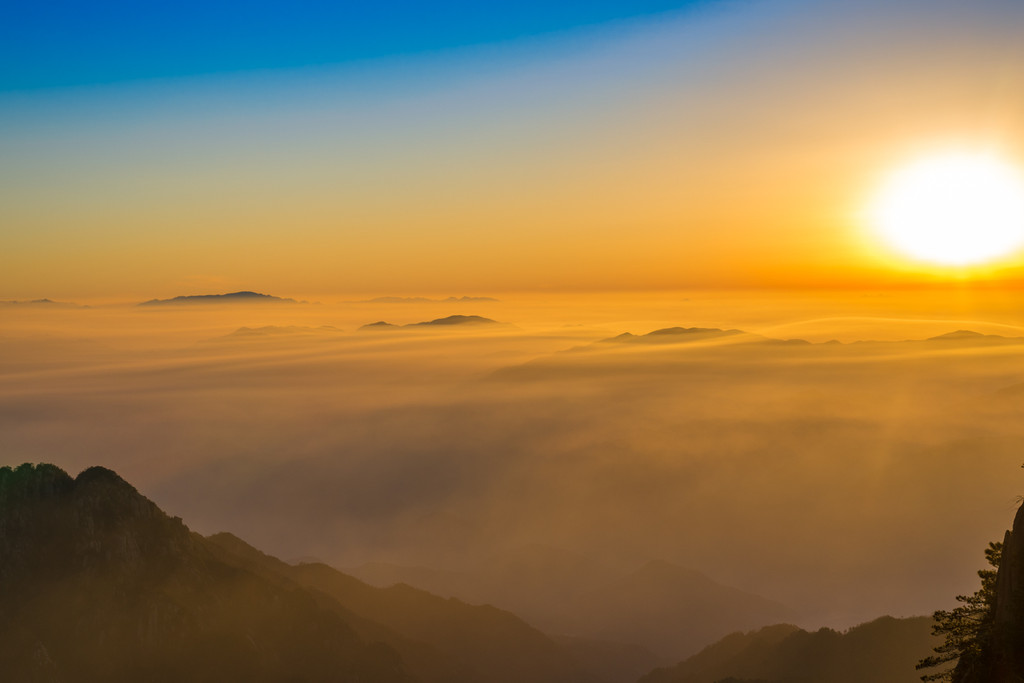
(97, 584)
(882, 651)
(424, 662)
(492, 644)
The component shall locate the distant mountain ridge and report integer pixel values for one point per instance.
(712, 339)
(686, 335)
(438, 322)
(885, 650)
(682, 335)
(488, 644)
(970, 335)
(232, 297)
(672, 335)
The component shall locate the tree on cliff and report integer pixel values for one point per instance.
(966, 628)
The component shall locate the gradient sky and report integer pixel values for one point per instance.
(402, 148)
(84, 43)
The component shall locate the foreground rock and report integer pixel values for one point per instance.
(1000, 654)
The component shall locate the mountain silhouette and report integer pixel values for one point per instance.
(487, 644)
(671, 335)
(98, 584)
(681, 335)
(233, 297)
(537, 582)
(668, 349)
(457, 320)
(439, 322)
(959, 338)
(882, 651)
(973, 337)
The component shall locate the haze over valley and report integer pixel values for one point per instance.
(461, 448)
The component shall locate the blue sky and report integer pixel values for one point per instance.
(62, 43)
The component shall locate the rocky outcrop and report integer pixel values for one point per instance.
(98, 584)
(93, 524)
(1001, 656)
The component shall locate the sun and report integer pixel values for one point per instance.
(952, 209)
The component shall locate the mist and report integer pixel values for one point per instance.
(844, 480)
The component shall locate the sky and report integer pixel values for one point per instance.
(330, 148)
(75, 43)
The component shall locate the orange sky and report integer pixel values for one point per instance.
(735, 148)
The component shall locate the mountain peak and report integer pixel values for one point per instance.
(458, 320)
(100, 475)
(672, 335)
(959, 334)
(96, 496)
(244, 296)
(28, 481)
(110, 492)
(438, 322)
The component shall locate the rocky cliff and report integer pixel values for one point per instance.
(97, 584)
(1001, 658)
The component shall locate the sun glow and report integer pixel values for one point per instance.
(956, 209)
